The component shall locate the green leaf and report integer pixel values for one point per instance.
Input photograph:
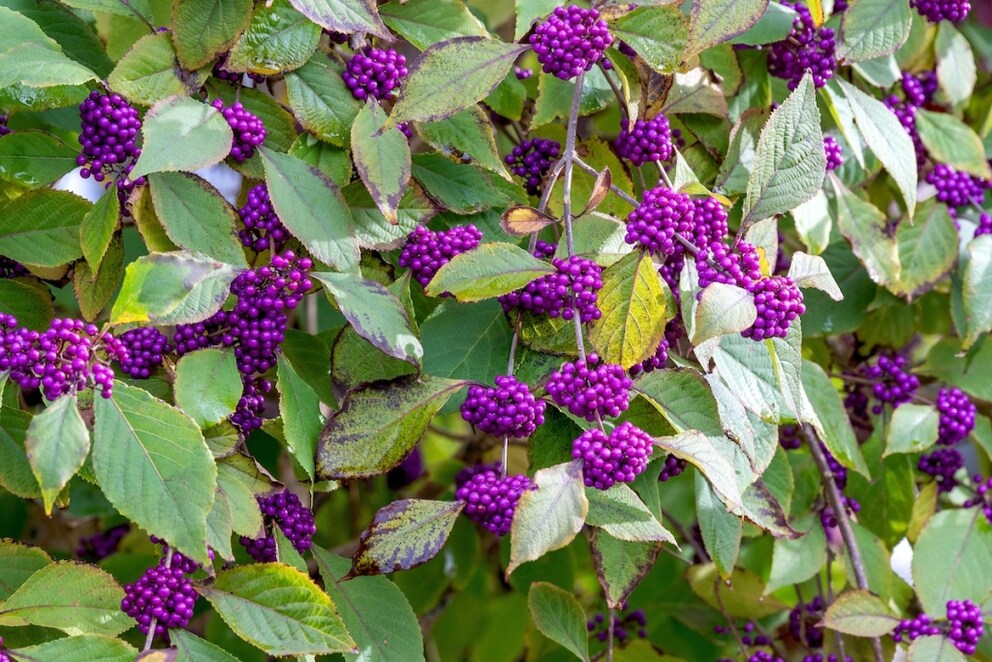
(172, 288)
(34, 159)
(813, 223)
(241, 479)
(15, 470)
(133, 9)
(775, 25)
(812, 271)
(356, 362)
(278, 609)
(927, 249)
(885, 136)
(38, 65)
(722, 310)
(720, 529)
(154, 467)
(873, 28)
(74, 35)
(42, 227)
(81, 647)
(403, 535)
(427, 22)
(913, 429)
(462, 188)
(57, 444)
(466, 341)
(620, 565)
(715, 21)
(951, 141)
(98, 227)
(378, 425)
(794, 561)
(321, 101)
(548, 517)
(299, 408)
(977, 290)
(30, 303)
(330, 160)
(741, 596)
(311, 207)
(19, 562)
(956, 68)
(465, 135)
(861, 614)
(190, 648)
(149, 72)
(487, 271)
(376, 613)
(622, 514)
(838, 434)
(182, 134)
(375, 313)
(278, 39)
(371, 228)
(72, 597)
(451, 76)
(528, 12)
(951, 558)
(208, 385)
(382, 158)
(658, 34)
(866, 228)
(634, 311)
(683, 398)
(703, 453)
(559, 617)
(203, 29)
(554, 97)
(346, 16)
(789, 162)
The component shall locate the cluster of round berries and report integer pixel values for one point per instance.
(984, 224)
(964, 626)
(108, 130)
(750, 637)
(709, 221)
(893, 385)
(790, 436)
(806, 47)
(102, 544)
(983, 496)
(522, 73)
(249, 131)
(544, 251)
(804, 619)
(590, 391)
(426, 251)
(942, 464)
(648, 140)
(221, 72)
(634, 620)
(957, 416)
(956, 188)
(721, 264)
(573, 287)
(570, 41)
(4, 129)
(247, 414)
(211, 332)
(834, 152)
(674, 330)
(145, 348)
(661, 213)
(936, 11)
(12, 268)
(490, 501)
(508, 410)
(778, 302)
(531, 160)
(263, 230)
(673, 466)
(918, 91)
(163, 594)
(375, 72)
(284, 510)
(828, 518)
(618, 458)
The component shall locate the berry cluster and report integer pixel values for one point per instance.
(375, 73)
(145, 347)
(12, 268)
(673, 331)
(709, 219)
(4, 129)
(263, 230)
(249, 131)
(828, 518)
(211, 332)
(247, 414)
(573, 287)
(163, 594)
(806, 47)
(942, 464)
(984, 224)
(662, 213)
(964, 625)
(790, 437)
(570, 41)
(284, 510)
(936, 11)
(721, 264)
(544, 251)
(619, 458)
(621, 622)
(834, 152)
(910, 629)
(672, 467)
(983, 497)
(893, 384)
(508, 410)
(221, 72)
(918, 91)
(490, 501)
(778, 302)
(522, 73)
(108, 130)
(427, 251)
(804, 619)
(956, 188)
(531, 160)
(957, 416)
(102, 544)
(589, 390)
(648, 140)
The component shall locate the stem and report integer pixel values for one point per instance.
(617, 93)
(550, 184)
(569, 160)
(726, 615)
(151, 626)
(609, 635)
(663, 174)
(613, 187)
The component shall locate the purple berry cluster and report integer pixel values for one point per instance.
(955, 188)
(163, 594)
(942, 464)
(247, 414)
(102, 544)
(490, 501)
(590, 389)
(722, 264)
(570, 41)
(828, 518)
(918, 92)
(522, 73)
(623, 623)
(221, 72)
(806, 47)
(145, 348)
(263, 230)
(790, 436)
(957, 416)
(805, 618)
(618, 458)
(910, 629)
(893, 385)
(544, 251)
(983, 496)
(249, 131)
(648, 140)
(662, 213)
(964, 625)
(778, 302)
(211, 332)
(531, 160)
(375, 73)
(834, 152)
(108, 130)
(936, 11)
(573, 287)
(673, 467)
(12, 268)
(284, 510)
(4, 129)
(709, 219)
(508, 410)
(673, 331)
(426, 251)
(984, 224)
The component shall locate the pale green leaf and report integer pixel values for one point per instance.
(977, 290)
(866, 228)
(42, 227)
(957, 72)
(873, 28)
(321, 101)
(715, 21)
(382, 158)
(34, 159)
(719, 528)
(812, 271)
(952, 142)
(148, 72)
(658, 34)
(951, 559)
(722, 310)
(427, 22)
(928, 249)
(57, 444)
(80, 647)
(622, 514)
(345, 16)
(861, 614)
(182, 134)
(203, 29)
(796, 560)
(486, 272)
(466, 134)
(208, 385)
(558, 615)
(913, 429)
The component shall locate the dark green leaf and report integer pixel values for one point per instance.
(190, 648)
(382, 158)
(182, 134)
(487, 272)
(321, 100)
(80, 647)
(403, 535)
(29, 302)
(356, 362)
(42, 227)
(57, 444)
(39, 65)
(465, 135)
(299, 408)
(34, 159)
(148, 72)
(98, 226)
(558, 615)
(658, 34)
(796, 560)
(741, 596)
(683, 398)
(838, 434)
(19, 562)
(278, 39)
(462, 188)
(208, 385)
(715, 21)
(873, 28)
(621, 565)
(203, 29)
(720, 529)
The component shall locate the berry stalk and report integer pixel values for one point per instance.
(573, 120)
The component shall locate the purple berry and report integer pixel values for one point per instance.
(806, 47)
(490, 501)
(522, 74)
(805, 618)
(778, 302)
(145, 347)
(984, 224)
(721, 264)
(573, 286)
(964, 625)
(648, 140)
(101, 545)
(673, 467)
(508, 410)
(709, 219)
(531, 160)
(834, 152)
(109, 126)
(790, 437)
(942, 464)
(11, 268)
(545, 251)
(375, 72)
(955, 188)
(936, 11)
(249, 131)
(162, 594)
(284, 510)
(570, 41)
(263, 230)
(619, 458)
(983, 497)
(673, 331)
(220, 71)
(589, 390)
(427, 251)
(4, 129)
(247, 414)
(957, 416)
(893, 384)
(662, 213)
(911, 629)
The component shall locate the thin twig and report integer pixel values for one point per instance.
(609, 635)
(617, 93)
(664, 175)
(154, 623)
(613, 187)
(570, 156)
(726, 614)
(549, 185)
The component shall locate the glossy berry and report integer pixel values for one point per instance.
(508, 410)
(162, 594)
(662, 213)
(543, 250)
(709, 219)
(262, 228)
(913, 628)
(247, 414)
(673, 331)
(573, 287)
(764, 656)
(919, 89)
(721, 264)
(984, 224)
(211, 332)
(375, 73)
(648, 140)
(619, 458)
(956, 188)
(249, 131)
(778, 302)
(828, 518)
(942, 464)
(145, 347)
(790, 436)
(284, 510)
(570, 41)
(522, 73)
(957, 416)
(109, 128)
(426, 251)
(983, 497)
(905, 112)
(964, 625)
(490, 501)
(672, 467)
(806, 47)
(936, 11)
(467, 472)
(590, 389)
(834, 152)
(893, 385)
(804, 619)
(623, 624)
(220, 71)
(838, 470)
(102, 544)
(531, 160)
